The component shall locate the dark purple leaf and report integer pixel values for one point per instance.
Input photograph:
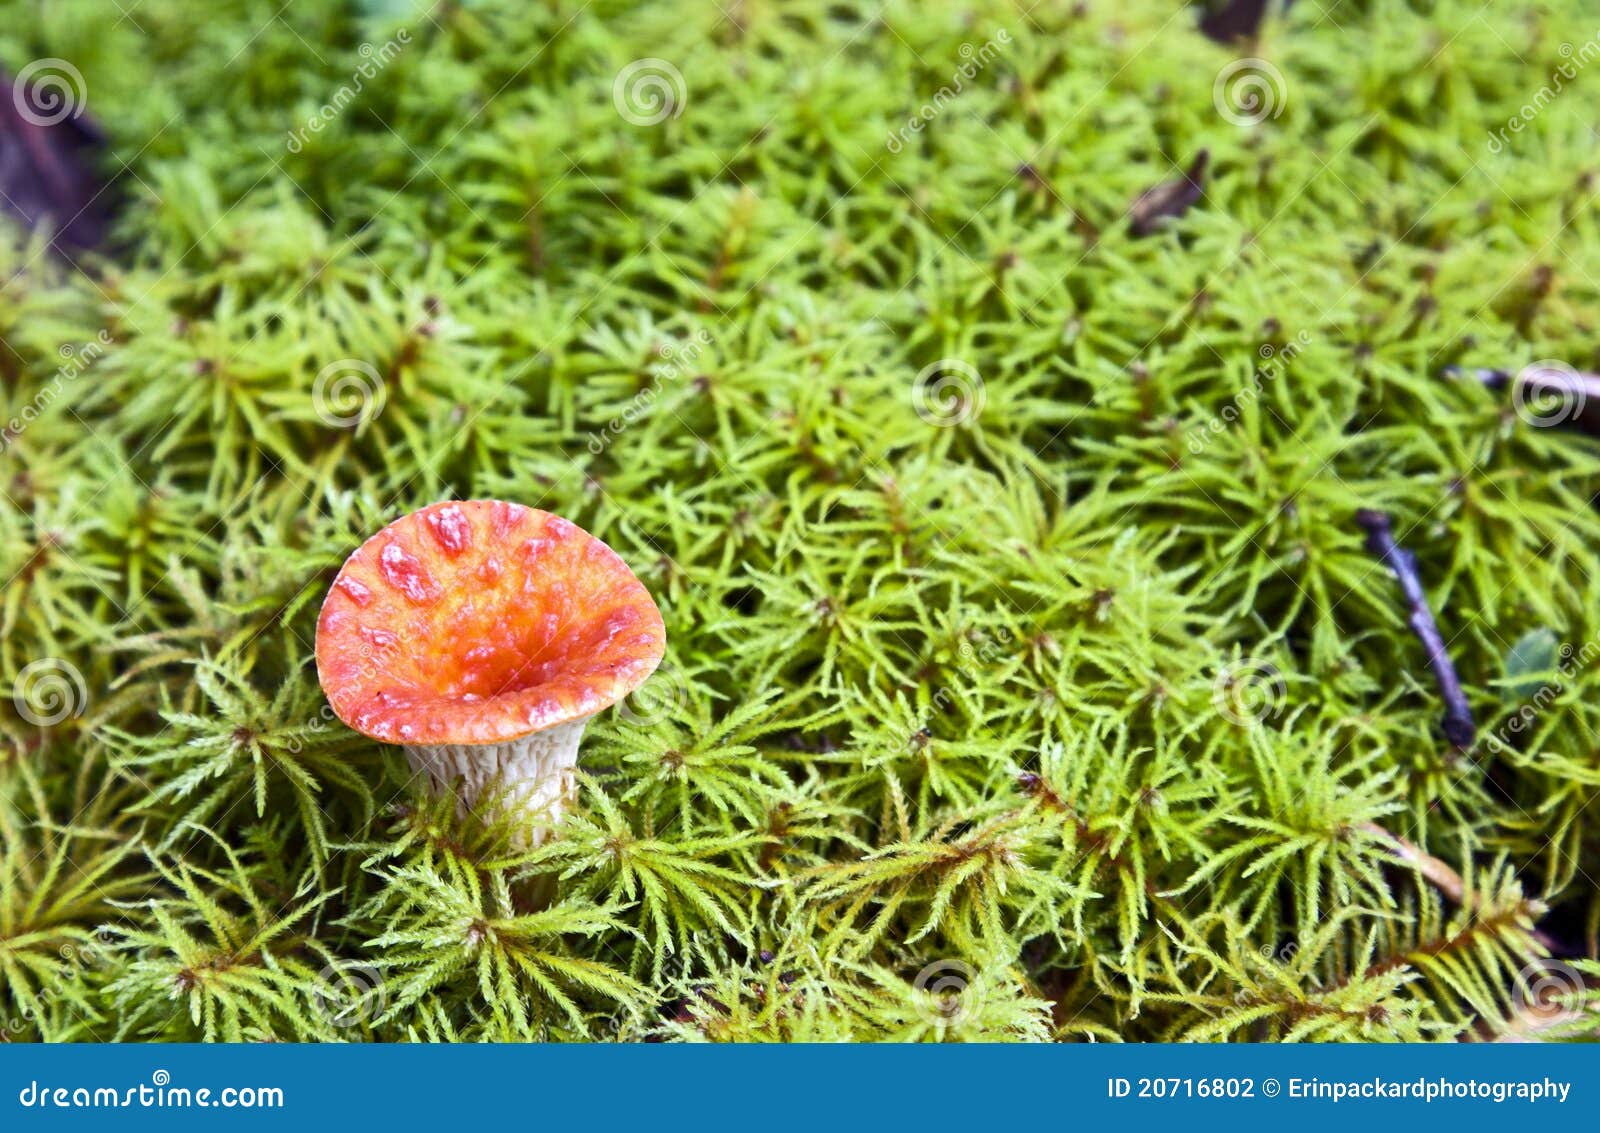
(50, 153)
(1545, 393)
(1234, 20)
(1457, 722)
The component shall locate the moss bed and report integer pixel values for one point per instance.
(1028, 677)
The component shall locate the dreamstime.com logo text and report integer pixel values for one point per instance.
(1569, 663)
(1575, 59)
(976, 59)
(981, 649)
(75, 362)
(158, 1093)
(375, 59)
(674, 360)
(376, 655)
(1274, 361)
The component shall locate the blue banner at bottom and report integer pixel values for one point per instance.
(769, 1089)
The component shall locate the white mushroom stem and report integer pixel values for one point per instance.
(533, 775)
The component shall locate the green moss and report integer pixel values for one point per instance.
(1022, 640)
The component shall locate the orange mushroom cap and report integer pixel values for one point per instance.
(478, 622)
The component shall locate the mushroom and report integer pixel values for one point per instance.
(482, 636)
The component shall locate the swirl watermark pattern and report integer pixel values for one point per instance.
(79, 957)
(947, 393)
(349, 995)
(946, 990)
(347, 393)
(48, 91)
(654, 701)
(1249, 91)
(1548, 990)
(1548, 393)
(48, 691)
(1248, 692)
(1279, 953)
(649, 91)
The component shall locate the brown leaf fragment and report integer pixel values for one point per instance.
(1169, 199)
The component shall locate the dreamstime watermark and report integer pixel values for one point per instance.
(986, 650)
(1572, 661)
(77, 958)
(1548, 990)
(91, 953)
(48, 91)
(666, 690)
(975, 60)
(75, 362)
(324, 719)
(649, 91)
(947, 393)
(676, 359)
(1248, 692)
(1280, 953)
(1547, 393)
(1249, 91)
(374, 60)
(1575, 60)
(376, 650)
(1283, 954)
(945, 991)
(349, 995)
(348, 393)
(1274, 360)
(48, 691)
(158, 1093)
